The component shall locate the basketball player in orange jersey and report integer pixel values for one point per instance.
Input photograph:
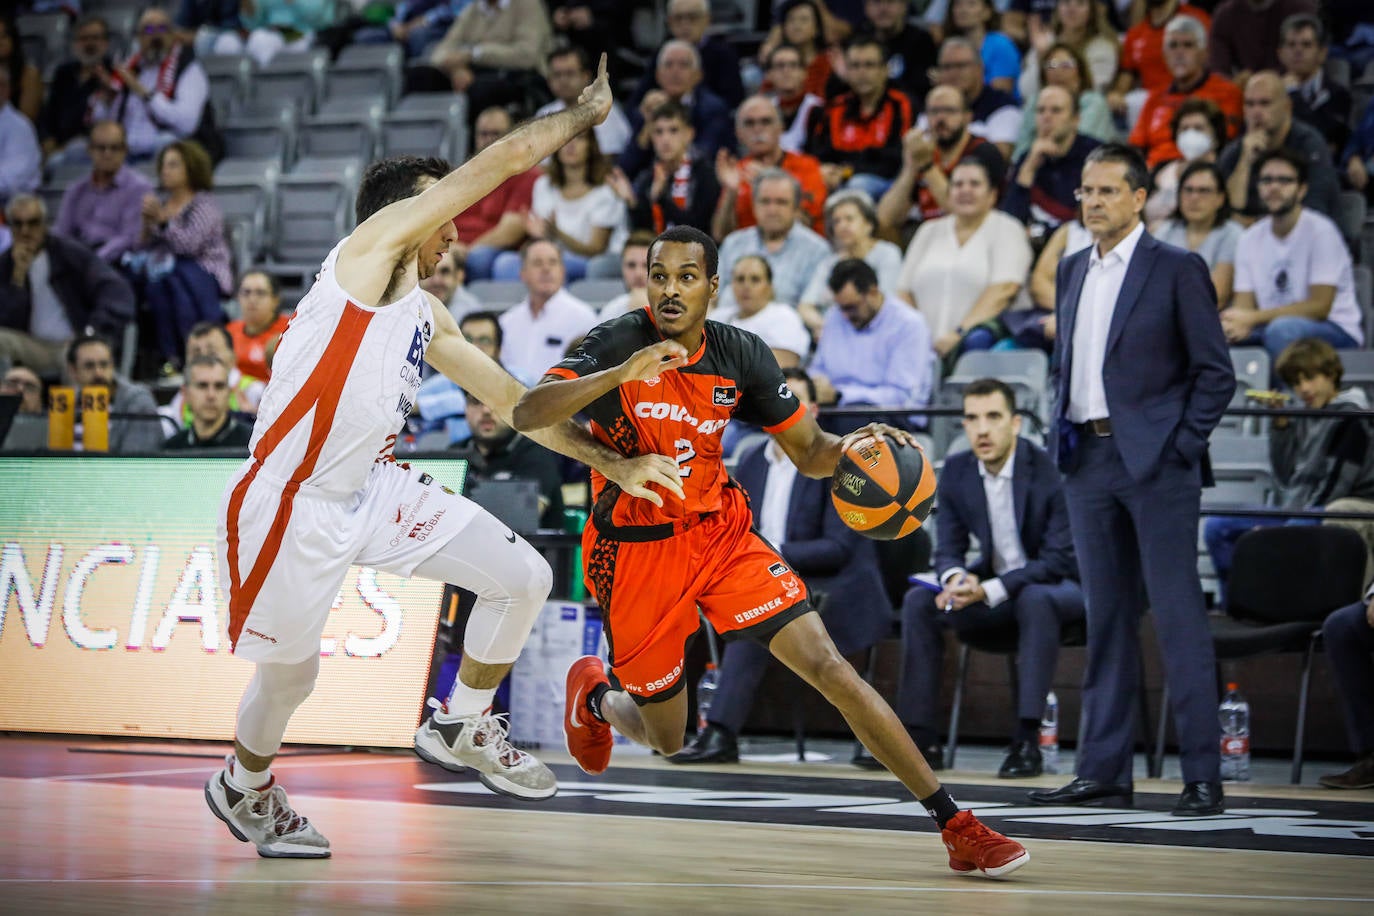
(322, 490)
(664, 379)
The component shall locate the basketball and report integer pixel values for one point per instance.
(883, 491)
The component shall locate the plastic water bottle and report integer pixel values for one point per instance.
(1234, 713)
(1049, 734)
(706, 694)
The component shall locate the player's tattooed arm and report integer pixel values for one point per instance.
(474, 371)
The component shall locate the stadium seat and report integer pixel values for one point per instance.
(1364, 294)
(64, 173)
(1251, 365)
(1358, 368)
(342, 134)
(1242, 458)
(294, 74)
(353, 79)
(416, 133)
(51, 196)
(1351, 209)
(1026, 371)
(314, 211)
(246, 191)
(596, 293)
(231, 77)
(452, 106)
(52, 28)
(497, 295)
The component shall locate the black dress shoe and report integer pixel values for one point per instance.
(1023, 761)
(1083, 792)
(934, 755)
(713, 744)
(1199, 799)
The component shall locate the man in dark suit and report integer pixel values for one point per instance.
(1006, 493)
(795, 514)
(1141, 375)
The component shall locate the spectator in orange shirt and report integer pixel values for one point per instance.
(259, 298)
(1185, 50)
(758, 127)
(1142, 51)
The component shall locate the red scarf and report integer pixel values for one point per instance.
(166, 71)
(681, 187)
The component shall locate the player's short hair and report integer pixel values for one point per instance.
(856, 271)
(395, 178)
(206, 328)
(1308, 357)
(1137, 175)
(1282, 154)
(983, 387)
(799, 374)
(690, 235)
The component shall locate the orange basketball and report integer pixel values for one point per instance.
(883, 491)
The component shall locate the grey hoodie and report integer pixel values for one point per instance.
(1318, 459)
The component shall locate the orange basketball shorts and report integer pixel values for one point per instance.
(649, 592)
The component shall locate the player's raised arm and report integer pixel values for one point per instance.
(402, 226)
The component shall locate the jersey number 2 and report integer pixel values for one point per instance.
(685, 453)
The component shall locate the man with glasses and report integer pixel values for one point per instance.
(134, 423)
(788, 75)
(206, 396)
(24, 382)
(69, 90)
(758, 128)
(909, 48)
(1185, 52)
(1316, 100)
(1294, 276)
(52, 289)
(1269, 125)
(688, 20)
(104, 210)
(21, 159)
(678, 78)
(1133, 447)
(858, 138)
(995, 115)
(569, 70)
(159, 94)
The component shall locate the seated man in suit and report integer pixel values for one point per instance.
(1006, 493)
(1349, 637)
(795, 514)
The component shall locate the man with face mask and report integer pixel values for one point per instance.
(159, 94)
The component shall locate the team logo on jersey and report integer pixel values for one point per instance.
(724, 395)
(777, 569)
(428, 333)
(417, 348)
(651, 382)
(784, 392)
(426, 480)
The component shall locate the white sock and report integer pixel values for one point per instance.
(468, 701)
(245, 778)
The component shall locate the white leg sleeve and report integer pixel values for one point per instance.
(512, 582)
(271, 697)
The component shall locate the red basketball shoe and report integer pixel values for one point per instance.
(589, 739)
(973, 847)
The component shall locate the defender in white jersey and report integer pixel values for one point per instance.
(322, 489)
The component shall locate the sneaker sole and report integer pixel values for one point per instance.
(290, 852)
(1004, 869)
(495, 783)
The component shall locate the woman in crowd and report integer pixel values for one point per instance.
(260, 324)
(755, 310)
(851, 224)
(801, 24)
(1082, 25)
(977, 21)
(1034, 328)
(1199, 130)
(184, 259)
(1064, 67)
(1202, 224)
(574, 207)
(26, 83)
(963, 270)
(787, 77)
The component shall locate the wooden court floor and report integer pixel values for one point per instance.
(125, 834)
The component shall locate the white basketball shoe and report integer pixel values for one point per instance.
(478, 742)
(264, 818)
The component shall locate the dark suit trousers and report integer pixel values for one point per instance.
(1038, 612)
(742, 666)
(1130, 534)
(1349, 642)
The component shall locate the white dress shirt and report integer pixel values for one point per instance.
(532, 343)
(1007, 551)
(777, 493)
(1092, 321)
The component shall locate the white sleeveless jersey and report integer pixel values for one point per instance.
(344, 379)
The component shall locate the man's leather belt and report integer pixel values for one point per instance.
(1101, 428)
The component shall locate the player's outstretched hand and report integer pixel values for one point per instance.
(633, 476)
(653, 360)
(877, 430)
(598, 93)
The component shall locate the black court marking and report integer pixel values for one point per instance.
(1340, 825)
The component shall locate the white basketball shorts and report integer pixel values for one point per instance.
(283, 555)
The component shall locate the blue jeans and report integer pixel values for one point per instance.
(1220, 532)
(1281, 332)
(178, 301)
